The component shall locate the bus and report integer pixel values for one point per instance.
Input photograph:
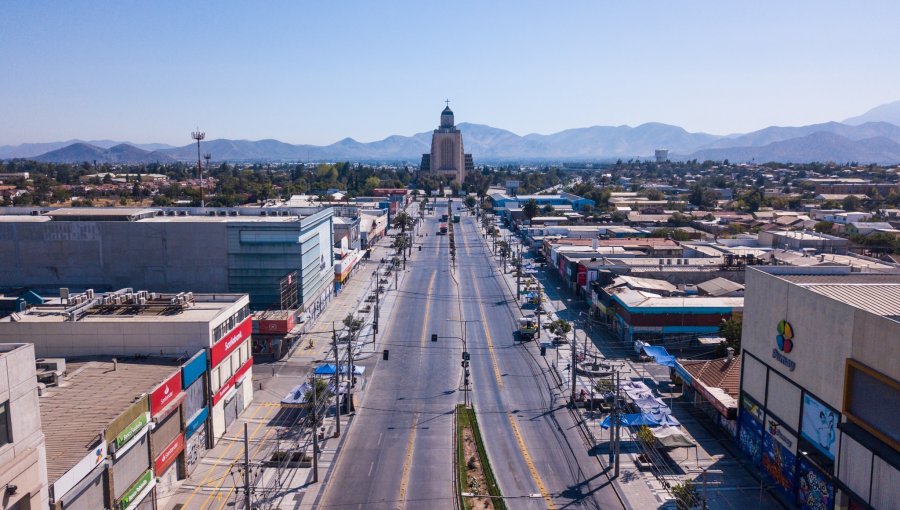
(455, 218)
(443, 229)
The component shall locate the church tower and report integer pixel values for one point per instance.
(447, 157)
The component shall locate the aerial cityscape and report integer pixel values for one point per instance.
(469, 256)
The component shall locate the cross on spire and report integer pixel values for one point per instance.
(448, 102)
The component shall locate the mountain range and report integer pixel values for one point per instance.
(873, 137)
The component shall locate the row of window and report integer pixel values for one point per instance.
(222, 329)
(220, 373)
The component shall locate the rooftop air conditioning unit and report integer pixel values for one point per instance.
(89, 293)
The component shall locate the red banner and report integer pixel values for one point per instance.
(169, 454)
(582, 275)
(220, 394)
(165, 394)
(221, 349)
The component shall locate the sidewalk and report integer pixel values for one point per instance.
(728, 483)
(217, 479)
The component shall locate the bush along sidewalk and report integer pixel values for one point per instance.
(477, 485)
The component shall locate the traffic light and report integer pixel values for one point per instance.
(543, 351)
(384, 355)
(434, 337)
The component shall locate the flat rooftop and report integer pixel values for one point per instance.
(203, 308)
(72, 416)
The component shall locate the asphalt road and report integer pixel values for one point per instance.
(531, 438)
(399, 452)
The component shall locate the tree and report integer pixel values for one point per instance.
(823, 227)
(403, 221)
(530, 209)
(470, 201)
(731, 332)
(401, 243)
(560, 328)
(686, 496)
(851, 203)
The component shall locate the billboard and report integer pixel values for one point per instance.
(819, 425)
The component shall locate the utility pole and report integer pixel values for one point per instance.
(377, 300)
(315, 430)
(618, 421)
(572, 368)
(539, 305)
(351, 377)
(337, 384)
(246, 469)
(199, 135)
(519, 277)
(207, 157)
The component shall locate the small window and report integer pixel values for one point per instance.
(214, 379)
(5, 433)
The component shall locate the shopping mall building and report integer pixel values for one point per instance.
(820, 386)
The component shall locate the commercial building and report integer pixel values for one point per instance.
(116, 431)
(249, 250)
(820, 386)
(127, 323)
(23, 464)
(447, 158)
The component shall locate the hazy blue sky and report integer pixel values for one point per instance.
(315, 72)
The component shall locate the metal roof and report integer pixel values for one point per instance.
(880, 299)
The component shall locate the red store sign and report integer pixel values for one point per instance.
(220, 394)
(169, 454)
(221, 349)
(165, 394)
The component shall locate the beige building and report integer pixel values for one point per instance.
(447, 157)
(820, 386)
(23, 455)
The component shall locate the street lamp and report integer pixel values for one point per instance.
(465, 359)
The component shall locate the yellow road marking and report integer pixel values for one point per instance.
(410, 446)
(235, 459)
(217, 464)
(487, 335)
(407, 462)
(528, 461)
(258, 448)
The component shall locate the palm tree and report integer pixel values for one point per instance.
(530, 209)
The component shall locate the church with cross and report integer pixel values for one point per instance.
(447, 157)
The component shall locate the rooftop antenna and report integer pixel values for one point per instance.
(199, 135)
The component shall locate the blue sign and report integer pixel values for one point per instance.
(195, 422)
(193, 369)
(820, 425)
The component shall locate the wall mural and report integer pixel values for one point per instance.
(779, 463)
(820, 425)
(815, 492)
(750, 437)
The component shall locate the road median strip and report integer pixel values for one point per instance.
(477, 486)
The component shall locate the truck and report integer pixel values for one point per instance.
(443, 229)
(528, 328)
(455, 218)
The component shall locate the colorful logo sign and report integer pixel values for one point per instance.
(785, 341)
(785, 337)
(165, 393)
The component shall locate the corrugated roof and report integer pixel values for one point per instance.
(719, 286)
(716, 373)
(93, 394)
(875, 298)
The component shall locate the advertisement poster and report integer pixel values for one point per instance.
(820, 425)
(778, 462)
(750, 437)
(815, 492)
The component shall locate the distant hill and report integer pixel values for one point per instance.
(885, 113)
(820, 146)
(777, 133)
(871, 137)
(30, 150)
(121, 153)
